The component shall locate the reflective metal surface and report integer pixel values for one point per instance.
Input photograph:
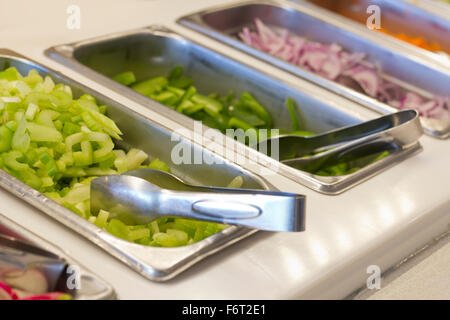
(402, 65)
(403, 126)
(152, 262)
(27, 250)
(155, 50)
(18, 258)
(135, 198)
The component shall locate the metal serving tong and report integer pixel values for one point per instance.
(17, 258)
(401, 128)
(143, 195)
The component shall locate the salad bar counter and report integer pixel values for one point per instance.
(333, 115)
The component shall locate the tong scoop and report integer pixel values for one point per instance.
(143, 195)
(403, 127)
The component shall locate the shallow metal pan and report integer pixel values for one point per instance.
(91, 287)
(153, 263)
(156, 50)
(415, 72)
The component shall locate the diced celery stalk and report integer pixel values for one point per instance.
(70, 128)
(102, 218)
(250, 102)
(43, 133)
(135, 157)
(5, 139)
(73, 140)
(240, 124)
(21, 140)
(10, 159)
(159, 165)
(12, 125)
(125, 78)
(154, 227)
(290, 104)
(78, 194)
(148, 87)
(210, 104)
(10, 74)
(139, 234)
(48, 84)
(165, 240)
(118, 228)
(236, 183)
(31, 111)
(84, 157)
(181, 236)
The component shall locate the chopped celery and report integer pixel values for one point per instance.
(58, 144)
(290, 104)
(5, 139)
(125, 78)
(159, 165)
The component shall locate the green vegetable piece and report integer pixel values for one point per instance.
(303, 133)
(21, 140)
(236, 183)
(11, 160)
(166, 240)
(159, 165)
(212, 105)
(139, 234)
(118, 229)
(70, 128)
(43, 133)
(10, 74)
(176, 73)
(125, 78)
(250, 102)
(290, 104)
(239, 124)
(150, 86)
(181, 236)
(182, 83)
(5, 139)
(246, 116)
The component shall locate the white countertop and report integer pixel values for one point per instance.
(376, 223)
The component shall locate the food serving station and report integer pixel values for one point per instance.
(144, 70)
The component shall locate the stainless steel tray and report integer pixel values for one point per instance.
(411, 17)
(153, 263)
(413, 71)
(155, 50)
(91, 287)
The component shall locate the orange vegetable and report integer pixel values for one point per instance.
(417, 41)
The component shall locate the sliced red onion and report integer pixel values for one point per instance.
(332, 61)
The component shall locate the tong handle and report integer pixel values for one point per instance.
(383, 124)
(281, 212)
(135, 199)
